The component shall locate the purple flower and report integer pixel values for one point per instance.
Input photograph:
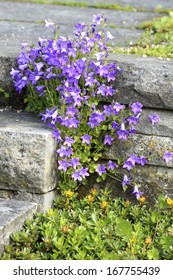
(57, 134)
(122, 133)
(99, 55)
(112, 165)
(168, 156)
(128, 164)
(48, 23)
(40, 88)
(49, 114)
(14, 73)
(103, 70)
(108, 140)
(137, 192)
(83, 172)
(133, 119)
(68, 141)
(63, 165)
(77, 176)
(95, 119)
(141, 160)
(118, 107)
(154, 119)
(109, 36)
(98, 19)
(101, 169)
(136, 108)
(71, 111)
(86, 139)
(114, 125)
(64, 152)
(74, 162)
(80, 26)
(126, 181)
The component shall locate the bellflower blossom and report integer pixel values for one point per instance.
(154, 119)
(136, 108)
(168, 156)
(136, 192)
(101, 169)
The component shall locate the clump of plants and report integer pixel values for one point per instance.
(156, 40)
(67, 81)
(97, 228)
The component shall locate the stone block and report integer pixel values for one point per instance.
(150, 146)
(144, 79)
(13, 214)
(27, 154)
(44, 201)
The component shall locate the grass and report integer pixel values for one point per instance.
(157, 39)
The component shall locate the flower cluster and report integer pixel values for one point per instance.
(70, 78)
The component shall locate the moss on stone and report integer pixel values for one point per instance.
(156, 40)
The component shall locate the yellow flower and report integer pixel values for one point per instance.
(169, 201)
(127, 203)
(93, 191)
(69, 193)
(148, 240)
(65, 229)
(104, 204)
(142, 199)
(90, 198)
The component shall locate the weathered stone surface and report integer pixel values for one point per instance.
(147, 80)
(163, 128)
(27, 154)
(150, 140)
(27, 12)
(13, 213)
(150, 146)
(147, 5)
(153, 180)
(44, 201)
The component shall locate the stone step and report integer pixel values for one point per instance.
(13, 214)
(24, 22)
(146, 5)
(27, 159)
(147, 80)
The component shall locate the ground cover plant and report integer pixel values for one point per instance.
(97, 227)
(156, 40)
(68, 82)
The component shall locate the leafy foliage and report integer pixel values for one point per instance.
(92, 230)
(156, 40)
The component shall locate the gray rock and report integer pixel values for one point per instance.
(13, 214)
(150, 146)
(27, 155)
(44, 201)
(151, 180)
(27, 12)
(147, 80)
(146, 5)
(162, 128)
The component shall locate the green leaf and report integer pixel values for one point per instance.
(94, 218)
(124, 229)
(153, 254)
(59, 243)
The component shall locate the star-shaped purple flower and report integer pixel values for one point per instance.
(86, 139)
(168, 156)
(137, 192)
(101, 169)
(154, 119)
(108, 140)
